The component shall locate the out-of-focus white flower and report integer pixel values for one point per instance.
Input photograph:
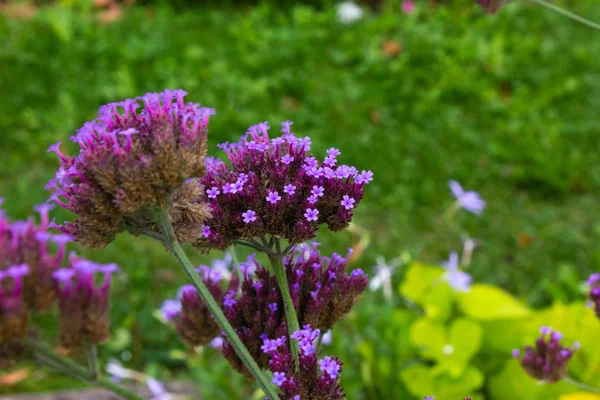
(348, 12)
(217, 343)
(448, 350)
(383, 275)
(327, 338)
(118, 372)
(469, 245)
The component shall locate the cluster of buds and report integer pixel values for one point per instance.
(275, 187)
(24, 242)
(313, 379)
(31, 279)
(83, 303)
(548, 361)
(594, 283)
(131, 164)
(193, 322)
(14, 313)
(321, 290)
(491, 6)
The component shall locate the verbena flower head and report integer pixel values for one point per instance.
(321, 290)
(83, 303)
(457, 279)
(24, 242)
(14, 314)
(193, 321)
(470, 200)
(548, 360)
(315, 379)
(276, 187)
(491, 6)
(133, 158)
(594, 283)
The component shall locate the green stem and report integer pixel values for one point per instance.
(92, 355)
(452, 210)
(236, 263)
(173, 244)
(567, 14)
(73, 369)
(581, 385)
(288, 304)
(320, 342)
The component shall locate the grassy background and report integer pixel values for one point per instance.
(508, 105)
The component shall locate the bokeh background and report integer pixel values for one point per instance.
(508, 105)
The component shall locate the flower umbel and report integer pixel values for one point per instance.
(275, 187)
(131, 162)
(83, 304)
(549, 359)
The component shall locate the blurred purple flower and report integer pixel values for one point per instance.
(459, 280)
(470, 200)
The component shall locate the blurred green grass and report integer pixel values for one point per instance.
(508, 105)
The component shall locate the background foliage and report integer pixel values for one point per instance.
(507, 105)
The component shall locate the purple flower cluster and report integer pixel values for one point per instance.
(83, 304)
(594, 283)
(131, 162)
(14, 314)
(549, 359)
(24, 242)
(276, 187)
(314, 379)
(30, 280)
(321, 290)
(193, 321)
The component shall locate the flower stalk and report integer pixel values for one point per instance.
(567, 14)
(92, 356)
(69, 367)
(581, 385)
(172, 244)
(291, 317)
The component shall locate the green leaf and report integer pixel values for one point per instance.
(421, 380)
(430, 336)
(465, 339)
(513, 383)
(424, 285)
(486, 302)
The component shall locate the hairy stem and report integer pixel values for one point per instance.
(173, 244)
(581, 385)
(69, 367)
(288, 304)
(567, 14)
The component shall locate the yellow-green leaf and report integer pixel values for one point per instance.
(486, 302)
